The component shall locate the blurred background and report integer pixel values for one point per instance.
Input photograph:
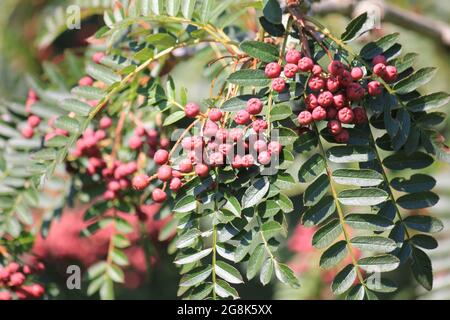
(31, 40)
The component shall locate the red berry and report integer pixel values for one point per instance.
(109, 195)
(35, 290)
(274, 147)
(357, 73)
(305, 118)
(27, 132)
(161, 156)
(5, 295)
(260, 145)
(254, 106)
(264, 158)
(16, 279)
(374, 88)
(98, 56)
(343, 136)
(175, 184)
(311, 101)
(319, 114)
(290, 70)
(185, 166)
(355, 92)
(192, 110)
(316, 70)
(345, 115)
(140, 182)
(216, 159)
(379, 69)
(333, 84)
(164, 173)
(390, 74)
(158, 195)
(114, 185)
(316, 83)
(248, 161)
(305, 64)
(236, 134)
(259, 125)
(360, 116)
(13, 267)
(225, 149)
(210, 129)
(331, 113)
(237, 162)
(34, 121)
(272, 70)
(334, 127)
(86, 82)
(202, 170)
(242, 117)
(278, 84)
(293, 56)
(335, 67)
(379, 59)
(345, 78)
(222, 135)
(325, 99)
(215, 114)
(135, 142)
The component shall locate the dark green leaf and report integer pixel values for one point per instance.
(419, 200)
(424, 223)
(362, 197)
(327, 234)
(249, 78)
(263, 51)
(334, 255)
(415, 80)
(358, 177)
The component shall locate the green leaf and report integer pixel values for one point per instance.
(228, 272)
(356, 293)
(380, 263)
(405, 62)
(346, 154)
(415, 80)
(174, 117)
(429, 102)
(256, 261)
(206, 9)
(271, 229)
(186, 204)
(201, 292)
(327, 234)
(372, 222)
(311, 168)
(401, 161)
(88, 92)
(224, 290)
(232, 205)
(249, 77)
(319, 212)
(266, 272)
(255, 193)
(107, 290)
(102, 73)
(344, 280)
(333, 255)
(362, 197)
(306, 142)
(46, 154)
(187, 239)
(115, 273)
(73, 105)
(286, 136)
(69, 124)
(422, 269)
(424, 241)
(416, 183)
(272, 11)
(172, 7)
(316, 190)
(193, 257)
(418, 200)
(187, 8)
(280, 112)
(285, 275)
(263, 51)
(372, 49)
(424, 223)
(374, 243)
(357, 27)
(358, 177)
(119, 257)
(196, 276)
(57, 142)
(236, 103)
(381, 285)
(161, 40)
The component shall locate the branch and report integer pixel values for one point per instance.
(389, 13)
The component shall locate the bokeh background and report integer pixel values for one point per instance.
(27, 48)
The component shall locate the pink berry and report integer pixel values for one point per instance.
(16, 279)
(185, 166)
(13, 267)
(360, 116)
(325, 99)
(27, 132)
(114, 185)
(140, 182)
(98, 56)
(260, 145)
(225, 149)
(339, 101)
(345, 78)
(192, 110)
(135, 142)
(109, 195)
(175, 184)
(305, 64)
(202, 170)
(379, 69)
(390, 74)
(222, 135)
(334, 126)
(311, 102)
(86, 82)
(374, 88)
(242, 117)
(259, 125)
(316, 70)
(236, 134)
(290, 70)
(319, 114)
(331, 113)
(305, 118)
(274, 147)
(335, 67)
(333, 84)
(316, 83)
(237, 162)
(210, 129)
(216, 159)
(215, 114)
(345, 115)
(272, 70)
(357, 73)
(5, 295)
(355, 92)
(293, 56)
(34, 121)
(264, 158)
(343, 136)
(35, 290)
(105, 123)
(248, 161)
(140, 131)
(278, 84)
(379, 59)
(254, 106)
(159, 195)
(161, 156)
(164, 173)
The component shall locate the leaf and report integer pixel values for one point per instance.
(172, 7)
(286, 136)
(263, 51)
(422, 269)
(344, 280)
(276, 30)
(316, 190)
(311, 168)
(424, 223)
(107, 290)
(424, 241)
(174, 117)
(256, 261)
(401, 161)
(187, 238)
(418, 200)
(383, 285)
(232, 205)
(236, 103)
(333, 255)
(102, 73)
(374, 243)
(88, 92)
(372, 49)
(405, 62)
(429, 102)
(266, 272)
(346, 154)
(358, 177)
(228, 272)
(362, 197)
(380, 263)
(255, 193)
(306, 142)
(73, 105)
(186, 204)
(404, 120)
(271, 229)
(46, 154)
(57, 142)
(189, 258)
(201, 292)
(115, 273)
(224, 290)
(372, 222)
(69, 124)
(285, 275)
(119, 257)
(319, 212)
(280, 112)
(356, 293)
(206, 9)
(249, 77)
(415, 80)
(416, 183)
(357, 27)
(327, 234)
(272, 11)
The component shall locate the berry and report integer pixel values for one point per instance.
(210, 129)
(114, 185)
(16, 279)
(379, 59)
(290, 70)
(335, 67)
(236, 134)
(202, 170)
(175, 184)
(345, 78)
(105, 123)
(135, 142)
(192, 110)
(278, 84)
(334, 127)
(360, 116)
(311, 101)
(325, 99)
(109, 195)
(319, 113)
(254, 106)
(305, 118)
(331, 113)
(35, 290)
(242, 117)
(222, 135)
(161, 156)
(5, 295)
(316, 70)
(259, 125)
(355, 92)
(274, 147)
(215, 114)
(27, 132)
(374, 88)
(237, 162)
(225, 149)
(86, 82)
(316, 83)
(159, 195)
(345, 115)
(343, 136)
(164, 173)
(264, 158)
(272, 70)
(333, 84)
(34, 121)
(379, 69)
(140, 131)
(390, 74)
(305, 64)
(248, 161)
(98, 56)
(260, 145)
(185, 166)
(216, 159)
(13, 267)
(357, 73)
(140, 182)
(293, 56)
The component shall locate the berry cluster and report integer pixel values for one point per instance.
(14, 282)
(332, 95)
(33, 121)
